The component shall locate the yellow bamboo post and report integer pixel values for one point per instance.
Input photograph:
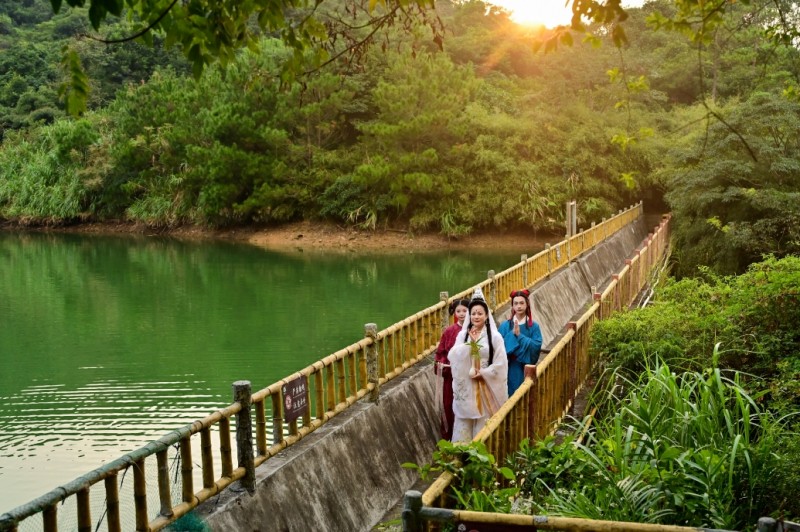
(112, 503)
(406, 343)
(244, 435)
(492, 291)
(206, 458)
(341, 382)
(330, 389)
(380, 350)
(261, 428)
(530, 372)
(633, 282)
(307, 413)
(164, 494)
(371, 333)
(319, 394)
(84, 511)
(187, 482)
(430, 330)
(50, 518)
(277, 417)
(573, 367)
(524, 260)
(391, 355)
(352, 369)
(363, 362)
(549, 259)
(140, 496)
(225, 450)
(413, 330)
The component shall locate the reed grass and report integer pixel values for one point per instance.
(691, 448)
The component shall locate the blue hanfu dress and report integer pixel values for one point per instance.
(521, 350)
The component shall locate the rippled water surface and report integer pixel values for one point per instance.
(106, 343)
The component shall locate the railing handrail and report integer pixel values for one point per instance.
(330, 400)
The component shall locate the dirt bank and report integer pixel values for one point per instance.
(310, 236)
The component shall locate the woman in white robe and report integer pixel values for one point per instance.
(480, 371)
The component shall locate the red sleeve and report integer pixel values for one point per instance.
(447, 342)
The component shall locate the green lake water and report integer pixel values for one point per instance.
(107, 343)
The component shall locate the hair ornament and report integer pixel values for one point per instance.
(477, 295)
(520, 293)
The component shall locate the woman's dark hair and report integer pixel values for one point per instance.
(454, 304)
(482, 303)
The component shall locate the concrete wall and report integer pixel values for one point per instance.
(347, 474)
(568, 293)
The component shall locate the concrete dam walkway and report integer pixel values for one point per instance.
(345, 475)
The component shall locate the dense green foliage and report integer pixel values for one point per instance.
(31, 41)
(485, 134)
(685, 448)
(420, 138)
(753, 317)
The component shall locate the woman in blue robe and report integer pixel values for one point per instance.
(522, 337)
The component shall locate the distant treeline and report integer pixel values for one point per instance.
(484, 134)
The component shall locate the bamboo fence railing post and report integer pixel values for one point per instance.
(524, 259)
(573, 366)
(492, 291)
(206, 459)
(530, 372)
(549, 260)
(261, 427)
(112, 503)
(187, 482)
(225, 451)
(569, 250)
(444, 313)
(164, 495)
(371, 332)
(319, 395)
(140, 496)
(599, 299)
(50, 518)
(244, 435)
(412, 504)
(84, 511)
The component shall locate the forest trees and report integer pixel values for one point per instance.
(737, 198)
(482, 134)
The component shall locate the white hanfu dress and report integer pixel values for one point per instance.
(475, 401)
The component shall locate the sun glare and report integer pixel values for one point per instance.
(549, 13)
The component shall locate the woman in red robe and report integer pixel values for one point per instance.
(444, 381)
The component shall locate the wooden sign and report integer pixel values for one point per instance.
(295, 398)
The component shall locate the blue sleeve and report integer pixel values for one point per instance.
(529, 344)
(511, 342)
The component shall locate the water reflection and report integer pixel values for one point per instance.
(109, 342)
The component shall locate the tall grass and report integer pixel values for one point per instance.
(690, 448)
(44, 176)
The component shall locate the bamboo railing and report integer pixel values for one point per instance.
(550, 387)
(333, 384)
(415, 515)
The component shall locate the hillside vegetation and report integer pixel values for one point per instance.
(487, 133)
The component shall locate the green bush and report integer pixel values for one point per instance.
(690, 448)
